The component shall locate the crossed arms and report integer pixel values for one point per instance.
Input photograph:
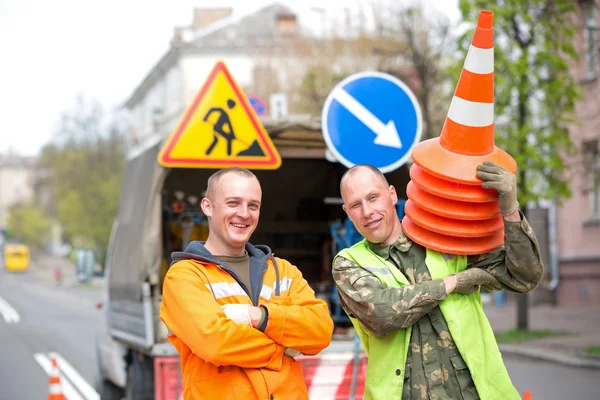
(298, 321)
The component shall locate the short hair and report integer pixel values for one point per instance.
(216, 177)
(371, 168)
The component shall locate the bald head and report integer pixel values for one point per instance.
(362, 170)
(216, 177)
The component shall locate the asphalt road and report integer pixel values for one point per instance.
(50, 320)
(38, 319)
(553, 382)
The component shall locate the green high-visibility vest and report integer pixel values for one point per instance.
(467, 322)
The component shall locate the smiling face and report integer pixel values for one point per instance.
(233, 210)
(370, 205)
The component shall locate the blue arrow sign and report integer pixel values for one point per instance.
(371, 118)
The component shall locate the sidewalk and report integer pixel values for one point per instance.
(581, 323)
(45, 264)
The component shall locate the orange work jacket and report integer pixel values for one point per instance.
(224, 360)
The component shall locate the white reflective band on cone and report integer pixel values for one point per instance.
(55, 389)
(471, 113)
(479, 61)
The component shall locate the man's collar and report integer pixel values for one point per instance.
(403, 243)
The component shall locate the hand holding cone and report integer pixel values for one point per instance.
(497, 178)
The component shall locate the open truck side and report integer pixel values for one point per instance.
(135, 359)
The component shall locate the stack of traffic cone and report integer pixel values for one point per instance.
(448, 210)
(55, 391)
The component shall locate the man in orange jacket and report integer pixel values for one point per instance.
(236, 314)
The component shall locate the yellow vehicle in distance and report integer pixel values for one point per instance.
(16, 257)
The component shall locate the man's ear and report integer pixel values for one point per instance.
(206, 207)
(393, 194)
(344, 208)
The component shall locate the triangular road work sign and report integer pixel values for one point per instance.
(219, 129)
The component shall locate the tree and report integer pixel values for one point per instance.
(415, 45)
(86, 159)
(535, 93)
(27, 223)
(317, 64)
(408, 42)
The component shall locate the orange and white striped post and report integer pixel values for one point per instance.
(55, 391)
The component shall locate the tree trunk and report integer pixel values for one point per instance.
(523, 300)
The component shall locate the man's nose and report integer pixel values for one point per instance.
(367, 209)
(243, 211)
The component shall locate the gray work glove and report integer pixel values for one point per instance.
(469, 281)
(505, 182)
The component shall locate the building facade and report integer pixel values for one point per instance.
(268, 52)
(16, 183)
(578, 218)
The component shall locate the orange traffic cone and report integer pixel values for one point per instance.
(467, 138)
(55, 388)
(447, 209)
(527, 395)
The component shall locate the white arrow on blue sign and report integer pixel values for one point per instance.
(371, 118)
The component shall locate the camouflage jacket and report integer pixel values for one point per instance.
(434, 367)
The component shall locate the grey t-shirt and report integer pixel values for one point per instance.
(241, 266)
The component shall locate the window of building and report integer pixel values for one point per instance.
(592, 152)
(591, 38)
(286, 25)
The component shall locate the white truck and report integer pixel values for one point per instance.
(135, 359)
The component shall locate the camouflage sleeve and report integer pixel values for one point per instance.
(518, 263)
(383, 309)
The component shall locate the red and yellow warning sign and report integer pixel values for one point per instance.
(220, 129)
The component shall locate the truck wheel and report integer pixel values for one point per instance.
(140, 378)
(110, 391)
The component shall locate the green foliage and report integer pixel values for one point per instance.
(592, 351)
(86, 158)
(517, 335)
(28, 224)
(535, 90)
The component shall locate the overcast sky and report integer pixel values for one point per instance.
(52, 50)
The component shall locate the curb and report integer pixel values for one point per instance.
(548, 355)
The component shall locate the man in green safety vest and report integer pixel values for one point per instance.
(418, 312)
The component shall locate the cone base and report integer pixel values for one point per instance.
(450, 190)
(452, 227)
(455, 167)
(461, 210)
(450, 244)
